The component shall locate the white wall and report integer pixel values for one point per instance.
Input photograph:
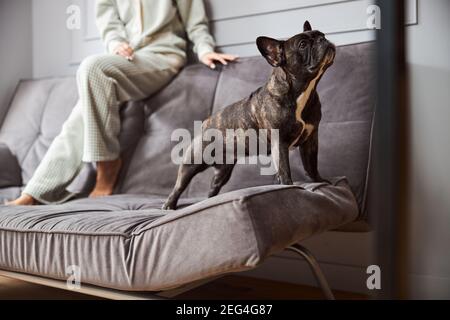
(15, 47)
(52, 40)
(429, 66)
(234, 23)
(237, 23)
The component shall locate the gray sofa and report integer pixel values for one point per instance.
(125, 242)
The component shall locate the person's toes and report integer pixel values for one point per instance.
(24, 200)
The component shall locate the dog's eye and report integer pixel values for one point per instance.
(303, 44)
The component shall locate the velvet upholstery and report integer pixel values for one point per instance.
(127, 242)
(11, 173)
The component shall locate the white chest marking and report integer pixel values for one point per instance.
(302, 100)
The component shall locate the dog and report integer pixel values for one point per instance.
(288, 102)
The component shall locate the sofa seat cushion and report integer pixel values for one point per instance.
(126, 242)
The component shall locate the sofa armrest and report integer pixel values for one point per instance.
(10, 171)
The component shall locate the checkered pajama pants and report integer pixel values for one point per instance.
(91, 132)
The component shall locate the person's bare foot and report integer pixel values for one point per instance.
(107, 174)
(23, 200)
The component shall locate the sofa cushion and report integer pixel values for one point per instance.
(35, 117)
(126, 242)
(348, 105)
(10, 173)
(187, 99)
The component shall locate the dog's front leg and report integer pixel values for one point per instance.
(309, 152)
(185, 174)
(280, 156)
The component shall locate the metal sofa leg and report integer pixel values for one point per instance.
(315, 268)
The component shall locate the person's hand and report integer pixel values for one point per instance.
(123, 49)
(210, 58)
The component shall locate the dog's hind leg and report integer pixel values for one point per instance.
(185, 175)
(222, 175)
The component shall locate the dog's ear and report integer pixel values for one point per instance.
(307, 26)
(272, 50)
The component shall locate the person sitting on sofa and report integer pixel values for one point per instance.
(146, 44)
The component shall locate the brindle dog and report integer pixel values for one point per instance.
(288, 102)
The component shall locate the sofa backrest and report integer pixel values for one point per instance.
(41, 106)
(35, 116)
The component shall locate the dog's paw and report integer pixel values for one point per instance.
(285, 181)
(168, 206)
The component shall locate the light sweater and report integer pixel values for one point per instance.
(161, 26)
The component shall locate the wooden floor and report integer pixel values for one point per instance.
(227, 288)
